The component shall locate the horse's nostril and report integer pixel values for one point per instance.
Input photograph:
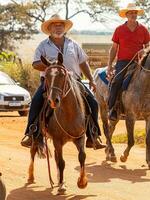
(56, 100)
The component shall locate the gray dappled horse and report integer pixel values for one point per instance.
(136, 104)
(67, 123)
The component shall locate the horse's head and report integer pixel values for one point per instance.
(55, 80)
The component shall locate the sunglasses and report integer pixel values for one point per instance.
(132, 12)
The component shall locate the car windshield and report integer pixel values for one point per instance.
(6, 80)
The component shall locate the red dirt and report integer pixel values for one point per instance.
(107, 181)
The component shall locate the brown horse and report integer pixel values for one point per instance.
(136, 103)
(67, 122)
(2, 189)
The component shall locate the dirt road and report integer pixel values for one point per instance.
(107, 181)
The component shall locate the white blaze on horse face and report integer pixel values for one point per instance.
(53, 74)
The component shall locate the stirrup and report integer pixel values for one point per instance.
(32, 129)
(27, 142)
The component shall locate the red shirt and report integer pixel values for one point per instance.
(130, 42)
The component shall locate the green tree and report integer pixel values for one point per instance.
(15, 24)
(19, 20)
(71, 8)
(145, 5)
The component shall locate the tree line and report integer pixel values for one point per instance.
(20, 21)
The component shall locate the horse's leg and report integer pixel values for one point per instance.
(112, 126)
(110, 154)
(33, 151)
(130, 121)
(82, 180)
(60, 166)
(2, 189)
(148, 142)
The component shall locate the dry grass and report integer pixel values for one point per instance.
(139, 136)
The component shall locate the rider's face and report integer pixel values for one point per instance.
(132, 15)
(57, 29)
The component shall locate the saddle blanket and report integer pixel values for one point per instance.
(102, 75)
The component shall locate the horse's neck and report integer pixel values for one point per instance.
(140, 82)
(144, 81)
(71, 103)
(71, 114)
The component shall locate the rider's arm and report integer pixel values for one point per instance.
(146, 48)
(87, 72)
(147, 45)
(112, 55)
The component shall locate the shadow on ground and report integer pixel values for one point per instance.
(27, 193)
(105, 172)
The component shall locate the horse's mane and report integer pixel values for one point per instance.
(77, 92)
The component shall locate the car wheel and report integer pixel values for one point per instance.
(23, 113)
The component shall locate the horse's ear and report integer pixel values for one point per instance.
(60, 58)
(45, 61)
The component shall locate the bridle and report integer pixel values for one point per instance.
(63, 91)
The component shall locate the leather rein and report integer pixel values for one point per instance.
(63, 93)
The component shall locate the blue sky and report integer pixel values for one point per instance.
(83, 22)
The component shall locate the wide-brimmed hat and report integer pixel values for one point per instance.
(130, 7)
(54, 19)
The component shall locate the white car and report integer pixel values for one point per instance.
(86, 83)
(12, 96)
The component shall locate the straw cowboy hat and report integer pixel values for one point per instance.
(130, 7)
(54, 19)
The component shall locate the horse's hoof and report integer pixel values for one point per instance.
(113, 159)
(30, 181)
(148, 165)
(82, 182)
(61, 189)
(106, 150)
(61, 192)
(107, 158)
(123, 158)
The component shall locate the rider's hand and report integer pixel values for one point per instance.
(110, 72)
(141, 53)
(92, 85)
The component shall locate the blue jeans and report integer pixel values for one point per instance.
(94, 110)
(36, 105)
(117, 82)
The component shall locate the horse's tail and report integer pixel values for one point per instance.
(42, 151)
